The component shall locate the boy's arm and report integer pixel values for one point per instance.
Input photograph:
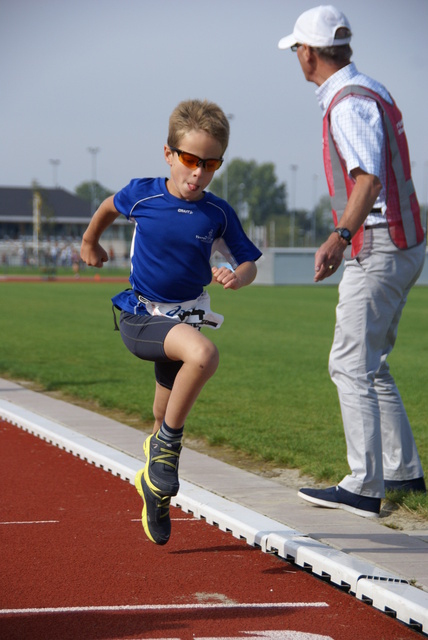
(243, 275)
(91, 251)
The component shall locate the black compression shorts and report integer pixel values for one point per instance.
(144, 336)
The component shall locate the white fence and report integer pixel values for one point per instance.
(278, 266)
(296, 266)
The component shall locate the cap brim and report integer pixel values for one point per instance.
(287, 42)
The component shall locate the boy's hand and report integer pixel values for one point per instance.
(93, 254)
(91, 251)
(226, 277)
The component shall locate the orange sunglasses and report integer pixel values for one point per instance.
(192, 162)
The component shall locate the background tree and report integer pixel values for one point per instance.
(92, 192)
(253, 189)
(324, 224)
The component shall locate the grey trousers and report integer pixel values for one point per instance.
(372, 295)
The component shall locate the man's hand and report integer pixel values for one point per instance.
(363, 196)
(329, 257)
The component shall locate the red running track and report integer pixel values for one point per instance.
(76, 565)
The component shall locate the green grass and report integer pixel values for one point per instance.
(271, 397)
(84, 271)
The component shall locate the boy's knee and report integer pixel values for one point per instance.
(207, 357)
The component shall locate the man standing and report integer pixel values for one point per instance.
(379, 233)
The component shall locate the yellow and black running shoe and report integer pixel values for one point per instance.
(156, 483)
(155, 515)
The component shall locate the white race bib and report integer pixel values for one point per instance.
(195, 312)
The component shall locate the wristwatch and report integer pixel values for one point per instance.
(344, 233)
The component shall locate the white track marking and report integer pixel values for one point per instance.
(271, 635)
(32, 522)
(255, 635)
(170, 607)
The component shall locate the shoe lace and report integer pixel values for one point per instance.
(168, 457)
(163, 505)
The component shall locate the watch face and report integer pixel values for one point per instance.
(344, 233)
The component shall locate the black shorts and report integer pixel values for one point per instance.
(144, 336)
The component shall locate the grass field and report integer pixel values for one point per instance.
(271, 397)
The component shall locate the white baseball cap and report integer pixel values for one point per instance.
(317, 28)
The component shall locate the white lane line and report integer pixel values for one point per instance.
(32, 522)
(173, 520)
(270, 635)
(157, 607)
(57, 521)
(255, 635)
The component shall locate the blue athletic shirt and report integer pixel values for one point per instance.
(173, 241)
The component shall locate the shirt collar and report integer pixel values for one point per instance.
(326, 92)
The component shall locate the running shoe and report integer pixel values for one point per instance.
(161, 470)
(155, 515)
(156, 483)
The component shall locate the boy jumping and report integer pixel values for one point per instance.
(178, 225)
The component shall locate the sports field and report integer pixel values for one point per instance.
(271, 398)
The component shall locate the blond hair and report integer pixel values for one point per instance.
(198, 115)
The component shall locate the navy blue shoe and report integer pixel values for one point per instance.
(155, 516)
(416, 485)
(338, 498)
(161, 470)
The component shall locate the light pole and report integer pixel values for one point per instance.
(293, 168)
(230, 117)
(55, 164)
(93, 151)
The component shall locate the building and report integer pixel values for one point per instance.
(44, 226)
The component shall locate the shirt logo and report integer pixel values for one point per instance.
(185, 211)
(208, 238)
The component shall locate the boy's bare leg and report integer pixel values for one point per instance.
(160, 404)
(200, 361)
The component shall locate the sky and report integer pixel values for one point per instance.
(105, 75)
